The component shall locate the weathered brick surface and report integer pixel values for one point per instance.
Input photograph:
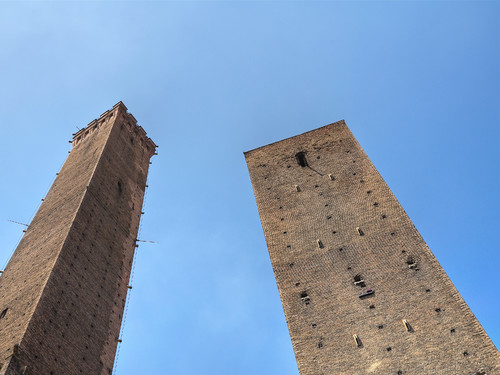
(66, 284)
(390, 256)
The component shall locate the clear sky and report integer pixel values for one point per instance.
(416, 82)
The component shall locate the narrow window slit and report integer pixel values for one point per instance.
(357, 340)
(407, 325)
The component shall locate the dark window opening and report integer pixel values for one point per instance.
(301, 159)
(131, 140)
(437, 310)
(411, 263)
(388, 349)
(320, 344)
(466, 354)
(120, 188)
(380, 326)
(372, 306)
(2, 314)
(359, 282)
(452, 330)
(305, 298)
(314, 325)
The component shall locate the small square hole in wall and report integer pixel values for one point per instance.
(372, 306)
(427, 291)
(388, 348)
(437, 309)
(452, 330)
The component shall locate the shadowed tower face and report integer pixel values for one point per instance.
(63, 292)
(361, 291)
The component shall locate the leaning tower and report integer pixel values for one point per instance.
(63, 292)
(361, 291)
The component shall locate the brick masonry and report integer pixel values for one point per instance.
(335, 232)
(63, 291)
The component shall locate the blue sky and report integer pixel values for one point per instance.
(416, 82)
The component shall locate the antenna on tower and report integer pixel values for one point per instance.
(17, 222)
(146, 241)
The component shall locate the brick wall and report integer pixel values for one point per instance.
(335, 221)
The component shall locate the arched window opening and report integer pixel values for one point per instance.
(301, 159)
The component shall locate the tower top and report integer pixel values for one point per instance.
(282, 141)
(119, 109)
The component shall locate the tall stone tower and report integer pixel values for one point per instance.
(361, 291)
(63, 292)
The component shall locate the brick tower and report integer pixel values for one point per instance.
(63, 292)
(361, 291)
